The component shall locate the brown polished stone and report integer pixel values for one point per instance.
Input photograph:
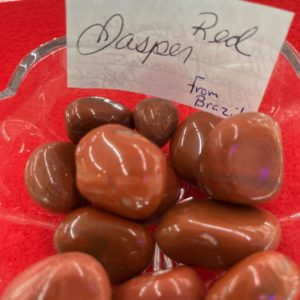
(123, 247)
(61, 277)
(242, 160)
(50, 177)
(171, 194)
(212, 234)
(188, 141)
(182, 283)
(265, 275)
(156, 119)
(121, 171)
(85, 114)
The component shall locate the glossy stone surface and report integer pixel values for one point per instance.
(188, 141)
(50, 177)
(85, 114)
(124, 248)
(156, 119)
(61, 277)
(263, 276)
(181, 283)
(121, 171)
(242, 160)
(212, 234)
(171, 194)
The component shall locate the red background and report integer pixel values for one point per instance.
(25, 24)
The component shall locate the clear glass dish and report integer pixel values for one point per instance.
(32, 113)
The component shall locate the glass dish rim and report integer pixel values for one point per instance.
(36, 55)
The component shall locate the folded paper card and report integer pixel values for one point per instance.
(212, 54)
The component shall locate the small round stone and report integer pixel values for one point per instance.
(123, 247)
(67, 276)
(85, 114)
(181, 283)
(156, 119)
(265, 275)
(50, 177)
(188, 141)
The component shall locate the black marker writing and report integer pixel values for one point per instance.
(200, 91)
(107, 35)
(210, 20)
(99, 36)
(205, 98)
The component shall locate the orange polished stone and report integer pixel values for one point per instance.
(188, 141)
(121, 171)
(61, 277)
(156, 119)
(265, 275)
(50, 177)
(123, 247)
(181, 283)
(85, 114)
(216, 235)
(242, 160)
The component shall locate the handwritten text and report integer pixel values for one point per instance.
(205, 98)
(108, 36)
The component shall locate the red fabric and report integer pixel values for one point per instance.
(26, 24)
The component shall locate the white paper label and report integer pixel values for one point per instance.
(212, 54)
